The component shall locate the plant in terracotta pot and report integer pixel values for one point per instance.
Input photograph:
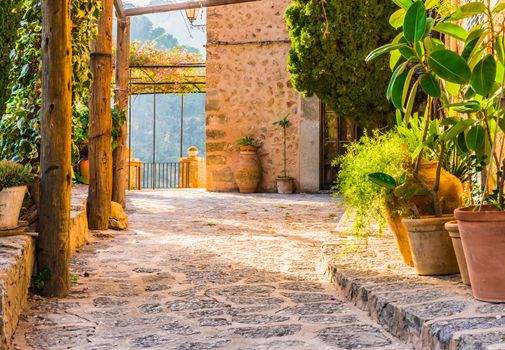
(285, 183)
(14, 179)
(248, 173)
(448, 83)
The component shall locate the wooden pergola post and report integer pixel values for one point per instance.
(55, 164)
(120, 167)
(100, 123)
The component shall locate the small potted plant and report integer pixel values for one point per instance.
(284, 182)
(249, 172)
(14, 179)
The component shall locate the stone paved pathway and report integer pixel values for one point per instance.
(206, 271)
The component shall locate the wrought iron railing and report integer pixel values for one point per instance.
(165, 175)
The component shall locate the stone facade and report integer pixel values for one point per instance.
(248, 88)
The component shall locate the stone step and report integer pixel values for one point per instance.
(429, 312)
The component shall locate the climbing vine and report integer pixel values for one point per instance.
(10, 17)
(330, 40)
(182, 79)
(20, 125)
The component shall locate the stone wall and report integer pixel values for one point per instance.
(248, 88)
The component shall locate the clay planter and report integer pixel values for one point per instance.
(84, 170)
(453, 230)
(402, 237)
(431, 246)
(248, 173)
(483, 238)
(11, 201)
(285, 185)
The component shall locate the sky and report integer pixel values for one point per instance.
(176, 24)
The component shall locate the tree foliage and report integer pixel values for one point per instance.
(9, 22)
(20, 125)
(330, 40)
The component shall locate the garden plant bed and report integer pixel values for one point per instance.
(429, 312)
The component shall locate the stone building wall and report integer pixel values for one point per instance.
(248, 88)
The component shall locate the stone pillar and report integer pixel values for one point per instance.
(310, 134)
(196, 176)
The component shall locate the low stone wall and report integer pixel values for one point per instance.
(17, 259)
(17, 256)
(430, 312)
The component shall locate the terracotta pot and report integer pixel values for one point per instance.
(248, 174)
(11, 201)
(453, 230)
(402, 237)
(285, 185)
(431, 246)
(450, 192)
(84, 170)
(483, 238)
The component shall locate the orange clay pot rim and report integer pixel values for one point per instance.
(248, 148)
(489, 213)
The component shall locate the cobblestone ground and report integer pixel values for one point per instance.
(206, 271)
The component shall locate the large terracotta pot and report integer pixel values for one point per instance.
(453, 230)
(11, 201)
(402, 237)
(285, 185)
(84, 170)
(450, 191)
(248, 174)
(431, 246)
(483, 237)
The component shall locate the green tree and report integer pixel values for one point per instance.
(10, 17)
(330, 41)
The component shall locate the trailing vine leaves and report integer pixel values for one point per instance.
(330, 40)
(20, 125)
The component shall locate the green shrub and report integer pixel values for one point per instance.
(14, 174)
(380, 152)
(330, 40)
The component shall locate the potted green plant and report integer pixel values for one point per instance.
(446, 81)
(14, 179)
(285, 183)
(248, 171)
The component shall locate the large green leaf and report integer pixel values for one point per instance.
(410, 102)
(470, 106)
(414, 24)
(404, 4)
(475, 138)
(483, 75)
(449, 66)
(383, 180)
(431, 3)
(451, 29)
(468, 10)
(407, 51)
(407, 83)
(499, 7)
(431, 85)
(397, 90)
(382, 50)
(471, 42)
(399, 70)
(458, 128)
(397, 18)
(499, 46)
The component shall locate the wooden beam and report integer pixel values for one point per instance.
(180, 6)
(55, 164)
(120, 166)
(118, 5)
(100, 123)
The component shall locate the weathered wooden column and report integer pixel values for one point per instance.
(56, 127)
(120, 166)
(100, 123)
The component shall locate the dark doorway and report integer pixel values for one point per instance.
(336, 132)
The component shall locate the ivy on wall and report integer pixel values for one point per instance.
(9, 22)
(20, 125)
(330, 40)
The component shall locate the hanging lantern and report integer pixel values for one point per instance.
(192, 14)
